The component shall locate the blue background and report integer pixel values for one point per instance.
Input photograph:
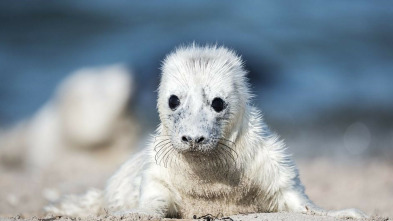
(316, 67)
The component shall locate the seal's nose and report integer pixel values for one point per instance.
(190, 140)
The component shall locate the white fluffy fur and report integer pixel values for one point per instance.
(261, 177)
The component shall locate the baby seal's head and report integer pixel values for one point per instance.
(202, 98)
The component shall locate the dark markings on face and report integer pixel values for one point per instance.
(204, 96)
(176, 116)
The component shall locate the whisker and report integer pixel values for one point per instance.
(162, 147)
(237, 156)
(160, 156)
(158, 153)
(168, 151)
(168, 157)
(222, 162)
(225, 152)
(166, 140)
(229, 153)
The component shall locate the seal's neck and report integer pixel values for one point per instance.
(207, 168)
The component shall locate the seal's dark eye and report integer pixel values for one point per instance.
(174, 102)
(218, 104)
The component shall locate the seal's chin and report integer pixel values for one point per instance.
(196, 150)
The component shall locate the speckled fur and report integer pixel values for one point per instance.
(250, 173)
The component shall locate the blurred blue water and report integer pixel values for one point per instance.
(306, 58)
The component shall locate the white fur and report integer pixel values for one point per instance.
(260, 178)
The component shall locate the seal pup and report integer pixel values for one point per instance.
(211, 154)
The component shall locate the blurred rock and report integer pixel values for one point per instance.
(89, 112)
(91, 104)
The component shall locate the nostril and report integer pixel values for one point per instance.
(184, 138)
(200, 139)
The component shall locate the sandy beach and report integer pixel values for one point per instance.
(331, 184)
(251, 217)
